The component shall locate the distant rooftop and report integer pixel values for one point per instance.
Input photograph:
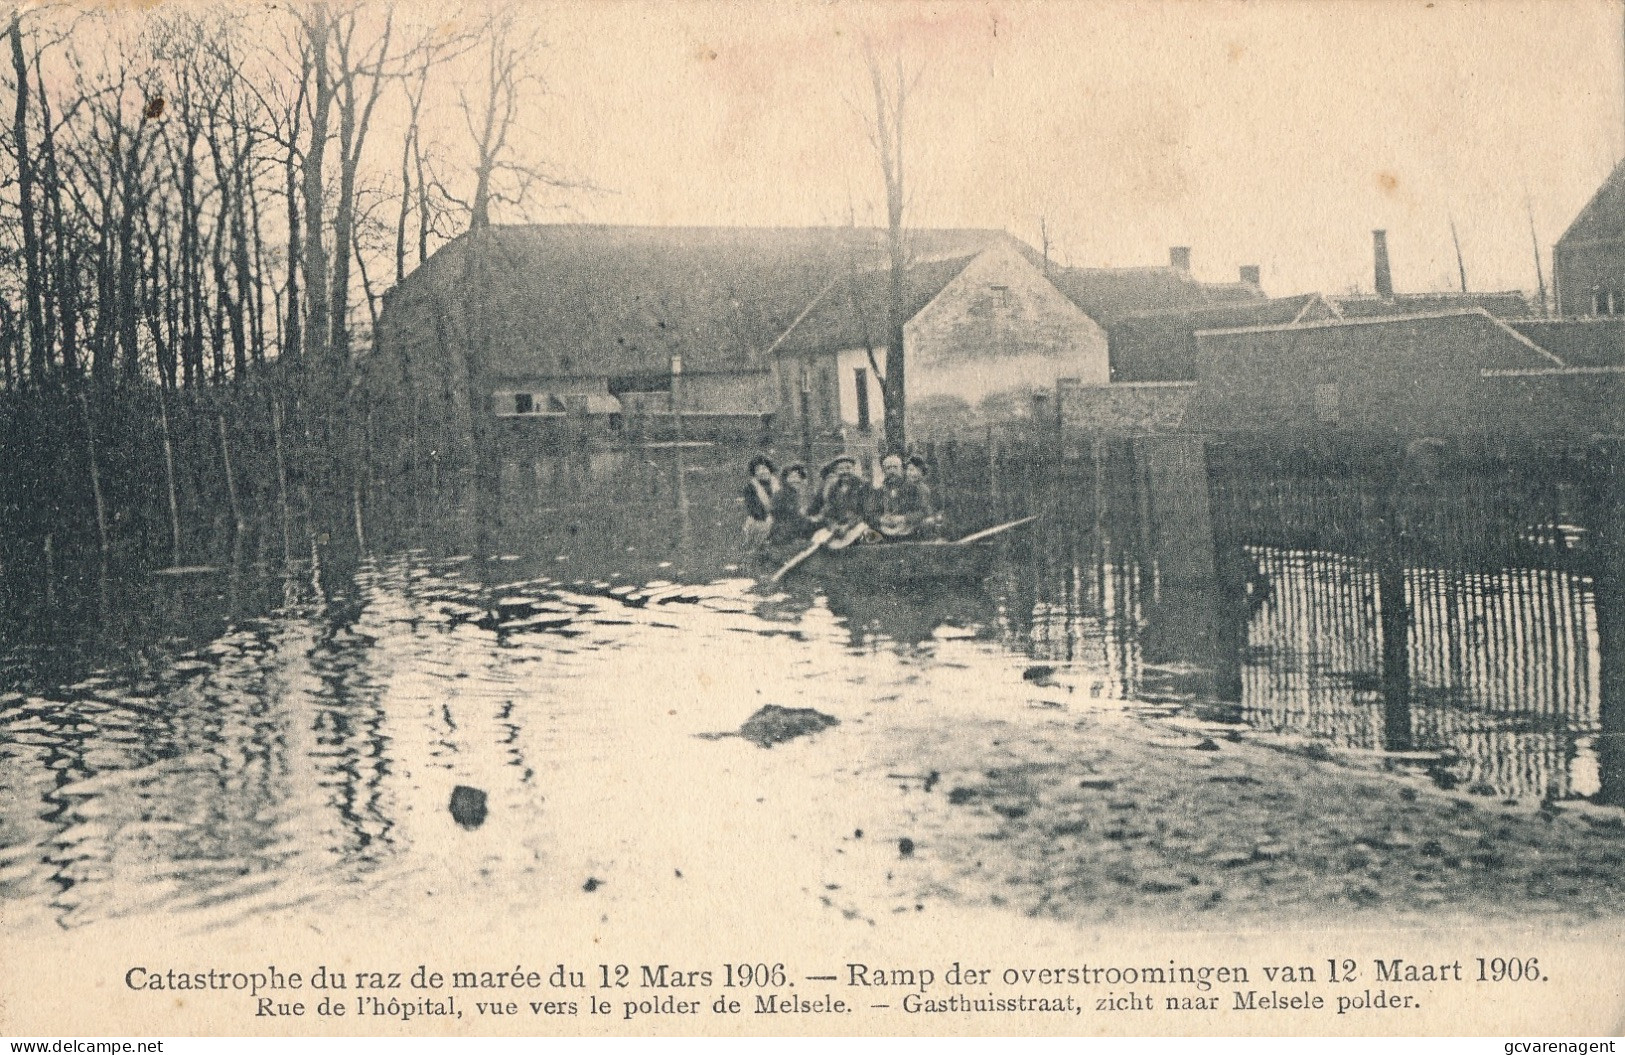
(1503, 305)
(1109, 294)
(588, 299)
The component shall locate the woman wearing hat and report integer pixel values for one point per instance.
(790, 520)
(760, 492)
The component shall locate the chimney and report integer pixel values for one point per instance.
(1179, 258)
(1250, 274)
(1385, 278)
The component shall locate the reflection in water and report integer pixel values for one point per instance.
(257, 739)
(1093, 623)
(1364, 614)
(1502, 668)
(909, 616)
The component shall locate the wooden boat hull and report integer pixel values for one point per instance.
(901, 562)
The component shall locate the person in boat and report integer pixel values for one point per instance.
(903, 501)
(760, 492)
(790, 520)
(891, 500)
(843, 502)
(930, 521)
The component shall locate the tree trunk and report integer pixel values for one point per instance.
(37, 358)
(230, 309)
(410, 151)
(890, 104)
(129, 260)
(355, 117)
(255, 272)
(896, 425)
(190, 339)
(338, 340)
(317, 315)
(101, 338)
(423, 200)
(95, 474)
(282, 481)
(169, 478)
(231, 479)
(65, 273)
(293, 335)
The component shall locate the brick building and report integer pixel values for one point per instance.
(1161, 346)
(1461, 373)
(1588, 261)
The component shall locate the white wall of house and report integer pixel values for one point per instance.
(1000, 327)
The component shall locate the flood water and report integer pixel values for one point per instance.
(262, 736)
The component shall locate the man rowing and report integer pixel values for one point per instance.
(843, 502)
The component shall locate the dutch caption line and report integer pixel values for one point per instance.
(653, 991)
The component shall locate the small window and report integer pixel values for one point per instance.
(1326, 400)
(524, 403)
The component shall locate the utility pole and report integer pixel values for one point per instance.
(677, 396)
(1534, 241)
(1461, 267)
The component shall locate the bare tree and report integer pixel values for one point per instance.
(507, 85)
(503, 82)
(33, 270)
(420, 188)
(317, 25)
(892, 89)
(411, 150)
(360, 74)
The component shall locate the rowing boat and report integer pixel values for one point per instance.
(963, 560)
(902, 562)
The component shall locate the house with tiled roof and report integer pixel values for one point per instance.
(553, 321)
(1400, 375)
(978, 327)
(1504, 305)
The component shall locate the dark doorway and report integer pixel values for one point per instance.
(861, 376)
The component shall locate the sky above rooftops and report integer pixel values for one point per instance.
(1277, 133)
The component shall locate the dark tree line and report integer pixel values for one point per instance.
(198, 208)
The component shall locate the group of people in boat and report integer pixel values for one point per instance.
(785, 507)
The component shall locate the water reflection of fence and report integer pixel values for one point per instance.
(1502, 674)
(1403, 601)
(1092, 622)
(1523, 640)
(1313, 653)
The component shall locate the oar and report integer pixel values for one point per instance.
(821, 536)
(989, 532)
